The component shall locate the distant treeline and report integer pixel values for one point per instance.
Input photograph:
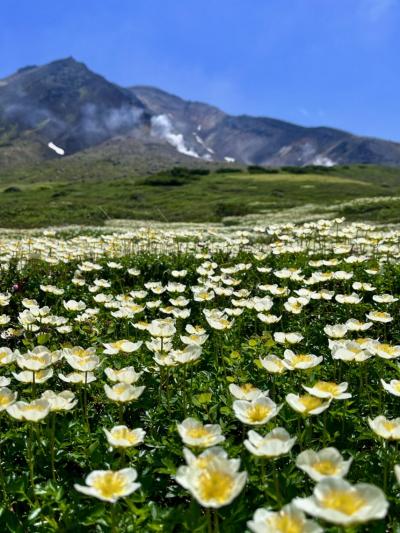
(177, 176)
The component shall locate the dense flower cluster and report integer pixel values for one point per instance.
(252, 370)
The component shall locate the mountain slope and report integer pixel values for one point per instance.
(69, 106)
(65, 103)
(263, 141)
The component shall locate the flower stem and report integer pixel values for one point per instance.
(31, 459)
(114, 518)
(52, 446)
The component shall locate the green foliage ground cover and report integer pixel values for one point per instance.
(51, 194)
(43, 499)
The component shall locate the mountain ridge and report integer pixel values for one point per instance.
(65, 103)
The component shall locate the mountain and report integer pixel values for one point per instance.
(67, 104)
(215, 135)
(83, 115)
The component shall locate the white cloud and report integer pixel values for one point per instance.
(378, 9)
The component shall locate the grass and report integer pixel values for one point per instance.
(58, 195)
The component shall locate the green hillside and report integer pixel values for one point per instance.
(57, 193)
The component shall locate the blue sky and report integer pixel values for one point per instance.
(313, 62)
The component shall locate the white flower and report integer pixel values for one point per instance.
(300, 361)
(162, 328)
(379, 316)
(307, 404)
(246, 391)
(194, 433)
(62, 401)
(189, 354)
(7, 398)
(7, 356)
(287, 338)
(124, 375)
(40, 376)
(277, 442)
(268, 319)
(123, 392)
(211, 478)
(327, 389)
(385, 428)
(338, 502)
(78, 377)
(384, 298)
(397, 472)
(73, 305)
(393, 387)
(122, 437)
(219, 323)
(37, 359)
(328, 462)
(348, 298)
(288, 520)
(31, 412)
(110, 485)
(194, 339)
(256, 412)
(336, 331)
(124, 346)
(350, 351)
(83, 364)
(384, 350)
(273, 364)
(355, 325)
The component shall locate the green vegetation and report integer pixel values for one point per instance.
(57, 193)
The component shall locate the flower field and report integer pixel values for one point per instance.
(201, 379)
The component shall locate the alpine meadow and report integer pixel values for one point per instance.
(200, 266)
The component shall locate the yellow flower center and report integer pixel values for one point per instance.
(110, 484)
(389, 425)
(120, 388)
(301, 358)
(39, 374)
(29, 407)
(215, 486)
(203, 295)
(197, 432)
(258, 412)
(361, 341)
(346, 502)
(355, 349)
(327, 386)
(247, 387)
(285, 524)
(118, 345)
(387, 348)
(4, 399)
(124, 434)
(310, 402)
(326, 468)
(80, 352)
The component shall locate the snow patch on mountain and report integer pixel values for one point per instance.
(203, 144)
(229, 159)
(56, 148)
